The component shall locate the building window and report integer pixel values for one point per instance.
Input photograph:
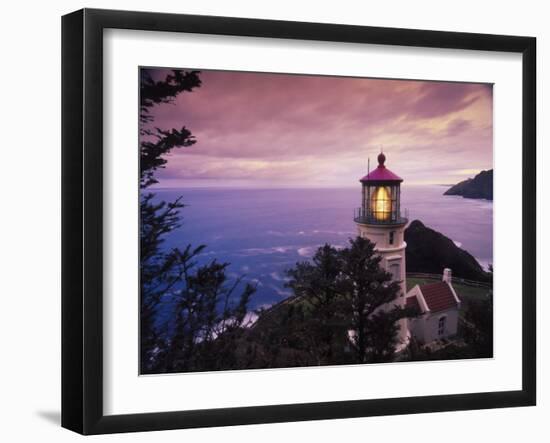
(392, 235)
(441, 326)
(395, 272)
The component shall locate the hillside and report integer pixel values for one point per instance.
(481, 186)
(429, 251)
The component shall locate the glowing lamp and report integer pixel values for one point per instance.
(381, 196)
(381, 203)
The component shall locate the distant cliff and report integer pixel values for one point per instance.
(430, 251)
(481, 186)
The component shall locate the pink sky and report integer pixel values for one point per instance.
(281, 130)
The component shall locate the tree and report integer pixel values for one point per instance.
(369, 294)
(187, 311)
(347, 292)
(156, 142)
(207, 324)
(280, 338)
(318, 284)
(478, 324)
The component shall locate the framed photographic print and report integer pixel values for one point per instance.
(269, 221)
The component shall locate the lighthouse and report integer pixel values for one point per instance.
(379, 219)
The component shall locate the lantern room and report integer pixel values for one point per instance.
(381, 196)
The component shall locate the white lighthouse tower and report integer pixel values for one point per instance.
(379, 219)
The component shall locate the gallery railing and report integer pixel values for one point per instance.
(360, 215)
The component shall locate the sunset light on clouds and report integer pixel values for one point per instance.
(279, 130)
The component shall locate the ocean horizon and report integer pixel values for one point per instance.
(262, 232)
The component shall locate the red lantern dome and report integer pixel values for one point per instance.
(381, 173)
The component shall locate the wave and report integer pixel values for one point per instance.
(484, 262)
(276, 233)
(280, 292)
(256, 282)
(277, 277)
(262, 251)
(306, 251)
(324, 231)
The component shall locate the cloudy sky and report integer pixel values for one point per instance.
(279, 130)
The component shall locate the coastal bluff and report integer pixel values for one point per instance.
(481, 186)
(429, 251)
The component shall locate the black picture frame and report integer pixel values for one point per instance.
(82, 218)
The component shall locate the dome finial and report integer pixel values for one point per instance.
(381, 159)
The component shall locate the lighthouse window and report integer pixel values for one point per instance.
(392, 234)
(395, 271)
(441, 326)
(381, 203)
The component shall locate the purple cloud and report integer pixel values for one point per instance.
(253, 128)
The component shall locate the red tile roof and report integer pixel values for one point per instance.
(412, 302)
(438, 296)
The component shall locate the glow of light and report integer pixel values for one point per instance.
(381, 203)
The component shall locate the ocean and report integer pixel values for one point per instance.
(263, 232)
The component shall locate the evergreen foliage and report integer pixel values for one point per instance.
(190, 314)
(344, 311)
